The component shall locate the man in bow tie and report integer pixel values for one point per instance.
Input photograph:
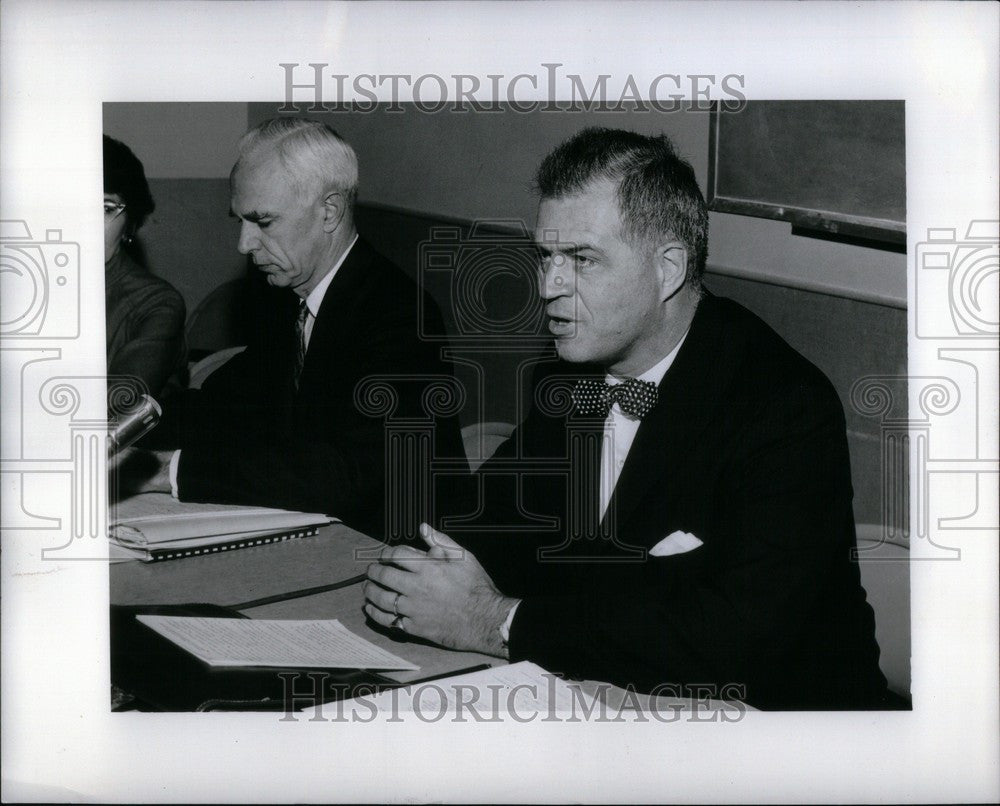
(681, 513)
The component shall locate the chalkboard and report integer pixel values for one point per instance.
(834, 167)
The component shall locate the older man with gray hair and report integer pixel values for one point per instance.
(280, 423)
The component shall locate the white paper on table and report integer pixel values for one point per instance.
(326, 644)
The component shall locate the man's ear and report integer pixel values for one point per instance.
(334, 207)
(671, 259)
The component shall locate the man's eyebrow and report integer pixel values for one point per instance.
(570, 249)
(252, 215)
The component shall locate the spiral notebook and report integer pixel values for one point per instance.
(153, 527)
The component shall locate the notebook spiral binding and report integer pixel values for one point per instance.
(157, 555)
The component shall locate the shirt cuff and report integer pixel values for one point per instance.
(505, 627)
(175, 461)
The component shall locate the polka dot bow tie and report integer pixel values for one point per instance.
(634, 397)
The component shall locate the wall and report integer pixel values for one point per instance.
(464, 166)
(187, 150)
(849, 340)
(179, 140)
(480, 165)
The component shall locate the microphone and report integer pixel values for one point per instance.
(133, 424)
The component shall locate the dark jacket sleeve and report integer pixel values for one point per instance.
(155, 348)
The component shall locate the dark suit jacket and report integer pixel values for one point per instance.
(746, 450)
(247, 437)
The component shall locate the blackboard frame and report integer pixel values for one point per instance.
(827, 224)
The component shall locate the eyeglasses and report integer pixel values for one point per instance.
(112, 210)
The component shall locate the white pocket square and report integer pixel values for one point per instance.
(676, 543)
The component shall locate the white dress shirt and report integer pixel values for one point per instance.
(619, 434)
(315, 298)
(313, 303)
(620, 429)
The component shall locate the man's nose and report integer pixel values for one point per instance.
(555, 278)
(248, 238)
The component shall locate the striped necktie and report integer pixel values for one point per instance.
(300, 341)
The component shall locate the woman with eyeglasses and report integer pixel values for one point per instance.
(145, 314)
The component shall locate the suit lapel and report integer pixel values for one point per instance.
(277, 341)
(693, 386)
(338, 309)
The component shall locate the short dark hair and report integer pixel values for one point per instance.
(124, 175)
(657, 190)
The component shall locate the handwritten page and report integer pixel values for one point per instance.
(326, 644)
(520, 688)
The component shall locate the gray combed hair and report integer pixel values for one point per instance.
(315, 156)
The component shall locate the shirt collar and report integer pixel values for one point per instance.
(655, 374)
(315, 298)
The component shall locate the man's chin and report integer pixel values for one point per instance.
(570, 349)
(278, 280)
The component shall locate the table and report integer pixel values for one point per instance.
(237, 577)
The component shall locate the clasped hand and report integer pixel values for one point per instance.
(443, 595)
